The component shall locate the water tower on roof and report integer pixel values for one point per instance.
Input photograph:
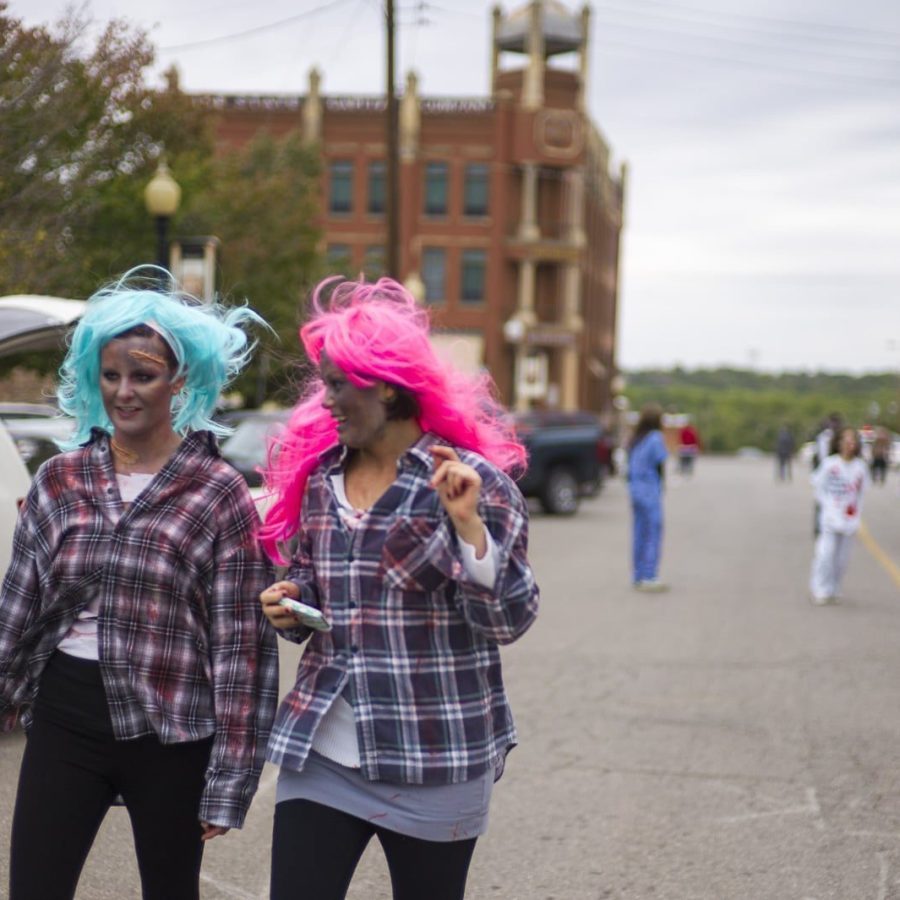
(540, 30)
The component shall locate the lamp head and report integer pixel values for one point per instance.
(163, 193)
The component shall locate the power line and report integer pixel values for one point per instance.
(868, 77)
(256, 30)
(806, 76)
(810, 74)
(454, 12)
(841, 31)
(352, 22)
(673, 21)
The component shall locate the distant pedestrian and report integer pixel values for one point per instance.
(881, 455)
(784, 452)
(824, 437)
(839, 484)
(688, 449)
(646, 460)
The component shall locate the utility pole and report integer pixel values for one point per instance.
(392, 263)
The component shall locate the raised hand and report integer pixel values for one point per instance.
(458, 487)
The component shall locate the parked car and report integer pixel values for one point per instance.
(246, 448)
(569, 455)
(36, 437)
(31, 322)
(27, 410)
(27, 323)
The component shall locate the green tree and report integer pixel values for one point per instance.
(81, 135)
(262, 203)
(735, 408)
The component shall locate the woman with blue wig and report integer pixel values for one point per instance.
(132, 648)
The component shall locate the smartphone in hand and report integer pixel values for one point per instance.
(308, 615)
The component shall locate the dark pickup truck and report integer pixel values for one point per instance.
(569, 454)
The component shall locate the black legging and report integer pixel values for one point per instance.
(72, 770)
(315, 850)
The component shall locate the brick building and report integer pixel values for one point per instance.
(509, 215)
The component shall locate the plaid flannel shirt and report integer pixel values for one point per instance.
(414, 637)
(185, 651)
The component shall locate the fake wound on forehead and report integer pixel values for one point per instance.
(145, 356)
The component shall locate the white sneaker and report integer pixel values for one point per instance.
(652, 586)
(820, 601)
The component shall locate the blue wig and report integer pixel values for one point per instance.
(209, 346)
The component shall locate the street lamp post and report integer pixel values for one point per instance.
(162, 196)
(415, 286)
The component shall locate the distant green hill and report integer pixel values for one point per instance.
(735, 408)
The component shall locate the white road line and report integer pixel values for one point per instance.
(813, 800)
(811, 808)
(229, 890)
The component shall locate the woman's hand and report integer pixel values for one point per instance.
(211, 831)
(458, 487)
(277, 615)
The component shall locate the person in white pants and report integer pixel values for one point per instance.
(839, 483)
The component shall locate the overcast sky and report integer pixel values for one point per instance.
(762, 136)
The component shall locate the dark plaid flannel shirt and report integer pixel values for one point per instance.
(414, 637)
(185, 651)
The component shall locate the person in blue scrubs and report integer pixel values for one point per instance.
(646, 460)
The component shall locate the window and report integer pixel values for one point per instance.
(434, 271)
(474, 267)
(476, 189)
(377, 188)
(340, 198)
(373, 262)
(436, 189)
(338, 257)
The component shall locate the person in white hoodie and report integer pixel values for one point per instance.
(839, 483)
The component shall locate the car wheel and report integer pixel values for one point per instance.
(560, 494)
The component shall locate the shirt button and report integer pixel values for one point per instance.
(354, 648)
(352, 604)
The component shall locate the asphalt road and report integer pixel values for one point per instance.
(723, 741)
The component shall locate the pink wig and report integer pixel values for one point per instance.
(377, 332)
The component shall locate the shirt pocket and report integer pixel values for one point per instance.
(410, 554)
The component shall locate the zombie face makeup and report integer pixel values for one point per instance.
(360, 413)
(144, 356)
(137, 386)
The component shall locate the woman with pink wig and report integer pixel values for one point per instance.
(411, 539)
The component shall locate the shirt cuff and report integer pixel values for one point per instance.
(484, 570)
